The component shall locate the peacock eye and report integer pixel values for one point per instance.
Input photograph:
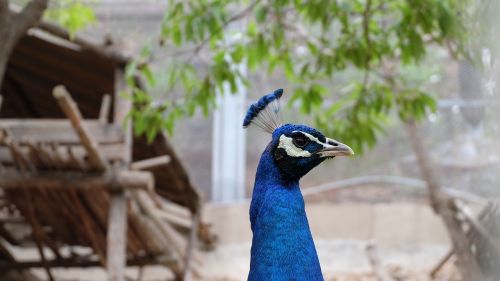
(300, 141)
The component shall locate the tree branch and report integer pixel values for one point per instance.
(4, 7)
(444, 207)
(424, 163)
(202, 44)
(13, 27)
(29, 16)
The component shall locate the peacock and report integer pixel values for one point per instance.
(282, 244)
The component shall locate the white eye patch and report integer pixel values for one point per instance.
(291, 150)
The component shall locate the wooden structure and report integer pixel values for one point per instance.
(73, 176)
(482, 233)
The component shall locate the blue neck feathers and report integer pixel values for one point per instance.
(282, 245)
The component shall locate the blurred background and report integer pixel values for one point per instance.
(385, 77)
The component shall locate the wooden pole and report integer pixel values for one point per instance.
(150, 163)
(70, 108)
(193, 235)
(117, 237)
(105, 106)
(121, 108)
(117, 221)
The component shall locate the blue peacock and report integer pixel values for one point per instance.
(282, 244)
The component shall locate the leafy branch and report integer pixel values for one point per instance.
(328, 51)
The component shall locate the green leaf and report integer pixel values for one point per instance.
(261, 14)
(176, 35)
(370, 64)
(73, 15)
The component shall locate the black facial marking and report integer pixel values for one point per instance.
(330, 142)
(279, 154)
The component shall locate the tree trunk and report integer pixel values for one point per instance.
(13, 26)
(5, 33)
(4, 58)
(444, 207)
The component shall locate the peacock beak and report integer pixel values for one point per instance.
(335, 148)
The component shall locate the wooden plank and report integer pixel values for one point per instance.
(117, 237)
(14, 179)
(112, 152)
(60, 131)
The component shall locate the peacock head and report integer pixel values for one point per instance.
(295, 149)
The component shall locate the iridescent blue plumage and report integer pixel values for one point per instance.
(282, 244)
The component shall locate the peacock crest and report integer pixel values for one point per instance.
(265, 113)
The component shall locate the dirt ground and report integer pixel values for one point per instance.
(341, 260)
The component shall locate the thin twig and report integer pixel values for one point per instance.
(234, 18)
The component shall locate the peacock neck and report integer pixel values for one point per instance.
(282, 245)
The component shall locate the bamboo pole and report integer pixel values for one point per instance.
(148, 209)
(177, 241)
(70, 108)
(150, 163)
(174, 219)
